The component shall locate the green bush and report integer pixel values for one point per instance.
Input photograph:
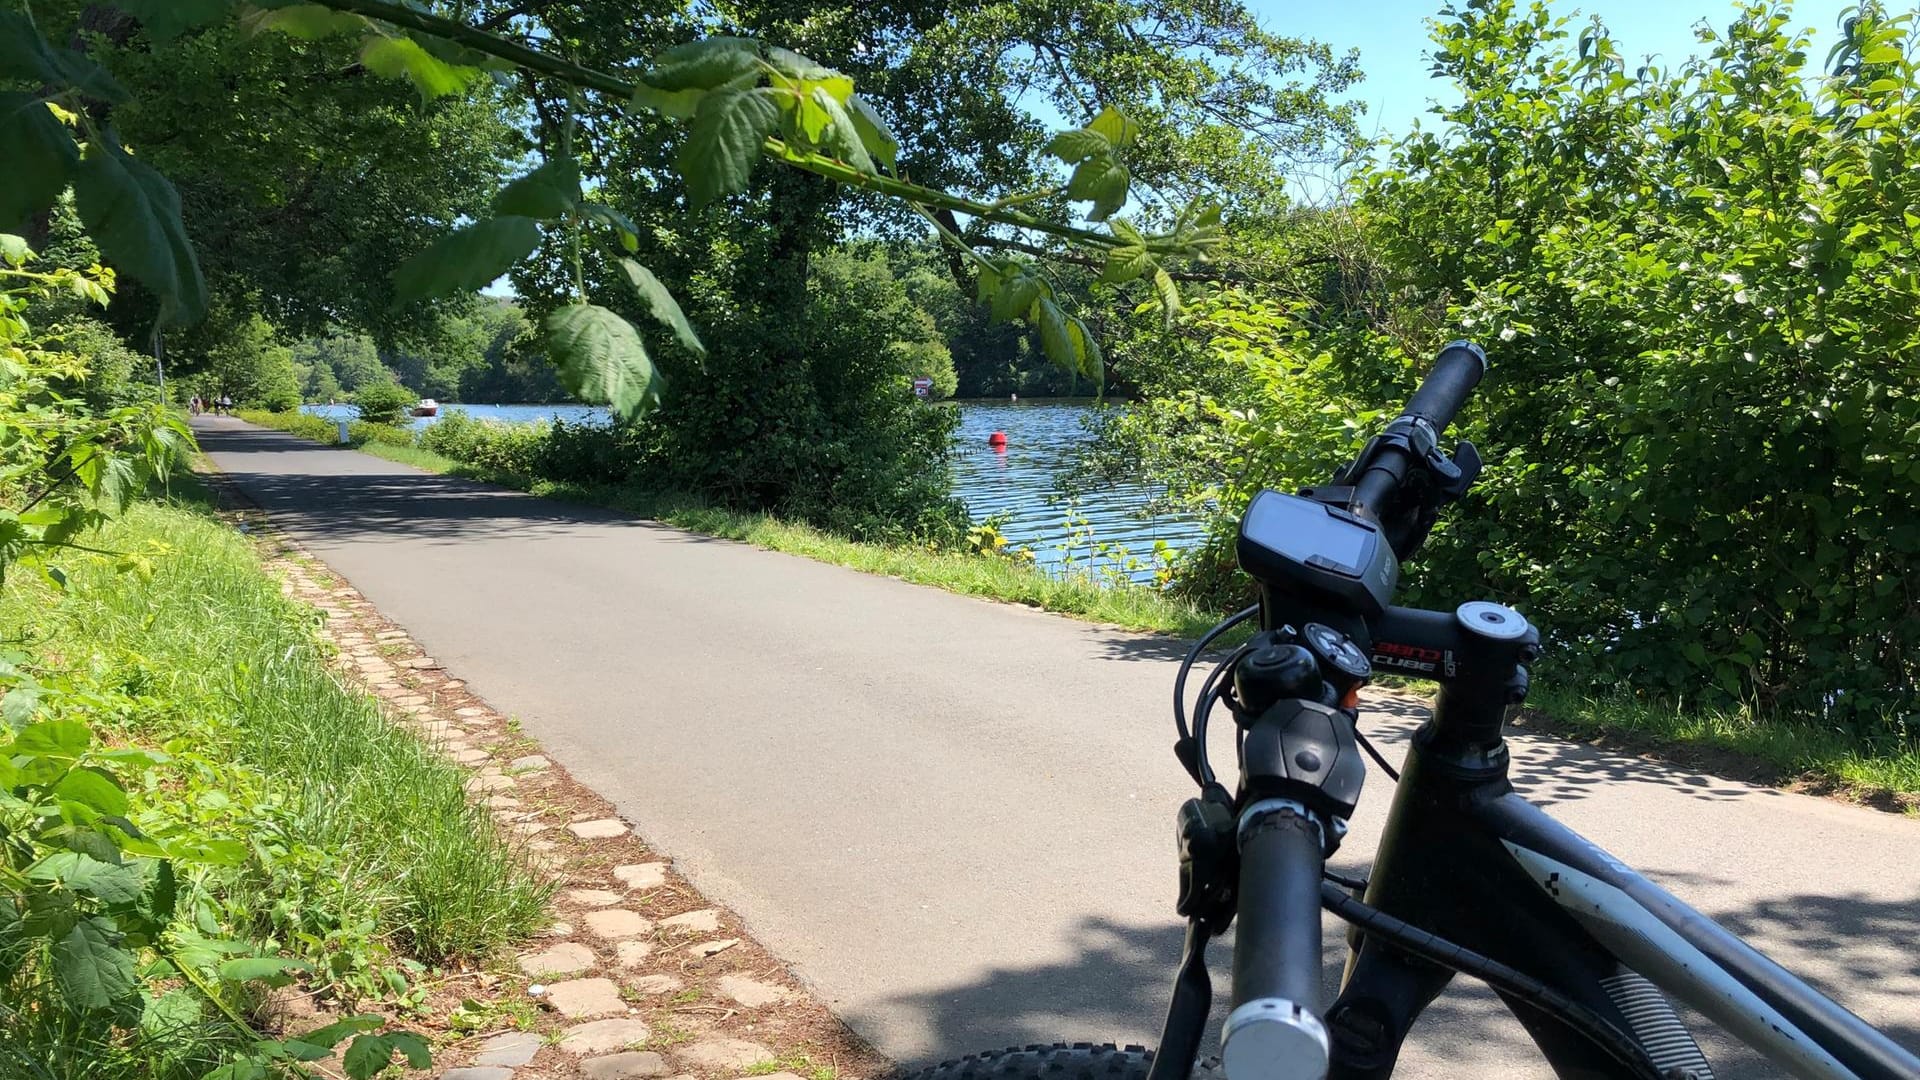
(114, 371)
(507, 448)
(322, 430)
(386, 403)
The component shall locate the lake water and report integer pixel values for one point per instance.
(1015, 483)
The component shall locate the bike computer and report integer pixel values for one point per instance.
(1295, 545)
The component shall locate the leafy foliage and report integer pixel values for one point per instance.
(1693, 285)
(67, 467)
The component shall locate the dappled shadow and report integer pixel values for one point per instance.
(1128, 645)
(1114, 985)
(1859, 950)
(1548, 770)
(355, 497)
(1114, 988)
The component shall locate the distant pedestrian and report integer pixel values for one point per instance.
(1013, 397)
(193, 405)
(226, 405)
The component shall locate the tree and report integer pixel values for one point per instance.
(241, 356)
(350, 361)
(303, 177)
(464, 335)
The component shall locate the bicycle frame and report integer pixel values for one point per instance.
(1466, 858)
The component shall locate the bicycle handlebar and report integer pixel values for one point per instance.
(1456, 371)
(1274, 1031)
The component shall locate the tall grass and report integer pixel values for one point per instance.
(240, 675)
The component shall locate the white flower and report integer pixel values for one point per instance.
(1507, 334)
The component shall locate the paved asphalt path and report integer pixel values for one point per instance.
(955, 817)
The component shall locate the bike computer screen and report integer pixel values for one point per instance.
(1291, 543)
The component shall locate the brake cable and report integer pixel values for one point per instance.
(1192, 755)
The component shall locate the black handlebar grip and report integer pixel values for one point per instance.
(1275, 1031)
(1456, 371)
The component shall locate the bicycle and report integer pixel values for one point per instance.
(1469, 878)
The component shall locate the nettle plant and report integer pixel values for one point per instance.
(744, 101)
(66, 467)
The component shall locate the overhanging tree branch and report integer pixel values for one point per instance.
(587, 78)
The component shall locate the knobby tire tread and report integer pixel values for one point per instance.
(1060, 1061)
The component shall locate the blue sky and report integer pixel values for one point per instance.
(1392, 38)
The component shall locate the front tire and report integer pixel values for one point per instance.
(1061, 1061)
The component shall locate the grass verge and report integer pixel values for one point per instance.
(1738, 744)
(1767, 751)
(366, 821)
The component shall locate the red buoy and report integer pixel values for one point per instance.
(998, 438)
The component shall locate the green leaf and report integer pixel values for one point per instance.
(662, 305)
(40, 155)
(403, 58)
(466, 259)
(366, 1056)
(725, 141)
(18, 706)
(601, 359)
(238, 1070)
(1883, 54)
(1125, 264)
(91, 969)
(60, 739)
(841, 139)
(1115, 127)
(1102, 181)
(987, 283)
(1017, 294)
(165, 20)
(112, 883)
(620, 223)
(810, 118)
(29, 57)
(1169, 293)
(548, 193)
(707, 64)
(309, 22)
(1086, 351)
(162, 893)
(93, 787)
(793, 65)
(274, 970)
(678, 104)
(331, 1035)
(1055, 340)
(874, 133)
(1078, 145)
(15, 252)
(171, 1015)
(133, 213)
(418, 1055)
(207, 852)
(132, 756)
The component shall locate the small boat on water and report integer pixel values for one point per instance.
(426, 407)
